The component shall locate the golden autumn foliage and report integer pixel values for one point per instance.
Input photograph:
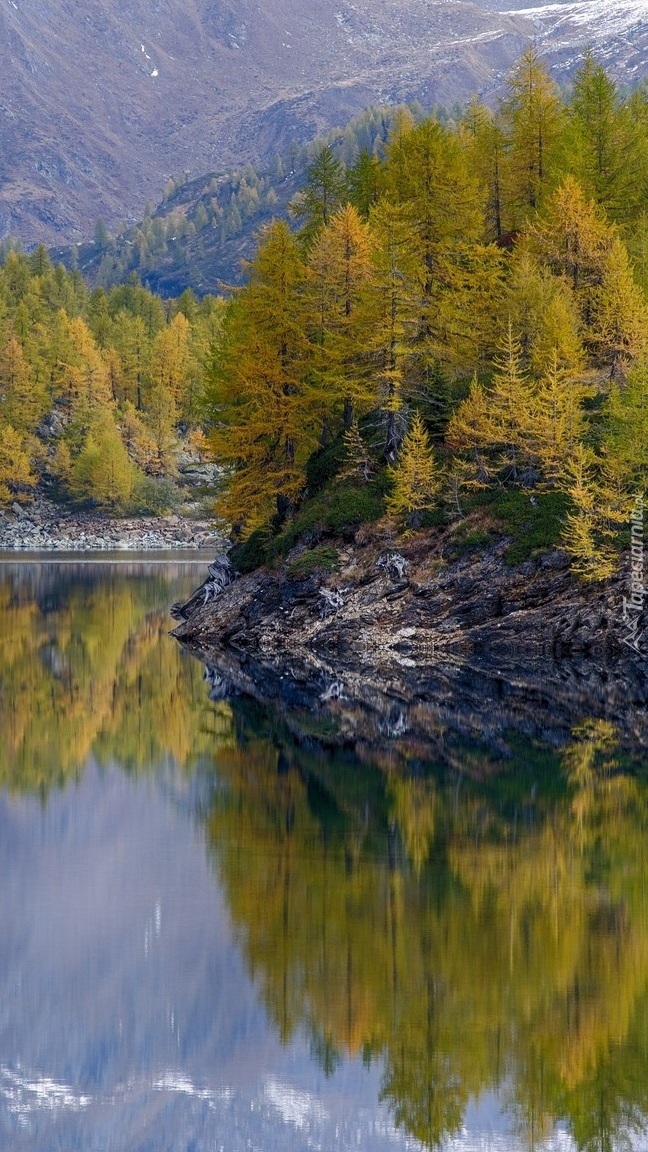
(505, 350)
(357, 904)
(416, 479)
(77, 668)
(72, 360)
(15, 465)
(489, 275)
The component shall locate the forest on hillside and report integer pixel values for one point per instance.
(459, 314)
(99, 391)
(203, 230)
(467, 316)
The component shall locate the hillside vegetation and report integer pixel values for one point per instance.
(98, 112)
(98, 391)
(204, 230)
(465, 318)
(454, 327)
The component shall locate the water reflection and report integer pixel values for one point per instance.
(472, 937)
(429, 939)
(86, 668)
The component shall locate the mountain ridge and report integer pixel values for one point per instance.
(97, 113)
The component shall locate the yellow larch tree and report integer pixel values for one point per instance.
(102, 472)
(557, 421)
(15, 465)
(543, 314)
(620, 313)
(340, 266)
(160, 420)
(511, 401)
(85, 383)
(416, 476)
(358, 464)
(586, 535)
(22, 400)
(573, 239)
(533, 121)
(171, 363)
(392, 304)
(264, 421)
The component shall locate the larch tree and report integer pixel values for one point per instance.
(605, 145)
(265, 423)
(416, 477)
(363, 183)
(170, 363)
(358, 463)
(492, 428)
(586, 534)
(102, 472)
(340, 268)
(402, 123)
(22, 401)
(160, 420)
(511, 404)
(544, 316)
(427, 175)
(573, 239)
(142, 446)
(471, 432)
(114, 374)
(533, 121)
(133, 344)
(323, 194)
(557, 423)
(84, 377)
(620, 313)
(626, 429)
(392, 302)
(636, 240)
(15, 465)
(486, 150)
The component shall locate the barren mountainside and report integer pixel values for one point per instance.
(101, 103)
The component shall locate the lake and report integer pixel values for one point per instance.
(217, 935)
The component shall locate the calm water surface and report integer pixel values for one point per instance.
(212, 937)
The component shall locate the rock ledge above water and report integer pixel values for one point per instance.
(398, 643)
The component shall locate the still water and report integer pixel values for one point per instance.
(215, 937)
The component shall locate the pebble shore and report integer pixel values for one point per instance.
(45, 527)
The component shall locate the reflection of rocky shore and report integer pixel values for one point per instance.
(394, 646)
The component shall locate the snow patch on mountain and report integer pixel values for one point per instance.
(599, 19)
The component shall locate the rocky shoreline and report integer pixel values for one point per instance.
(43, 526)
(398, 644)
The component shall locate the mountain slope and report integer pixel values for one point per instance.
(97, 110)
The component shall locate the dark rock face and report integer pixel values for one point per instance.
(398, 645)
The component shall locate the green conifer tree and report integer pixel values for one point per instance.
(102, 471)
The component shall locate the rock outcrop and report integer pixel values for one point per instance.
(396, 643)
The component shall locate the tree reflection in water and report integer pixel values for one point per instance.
(87, 670)
(471, 931)
(474, 935)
